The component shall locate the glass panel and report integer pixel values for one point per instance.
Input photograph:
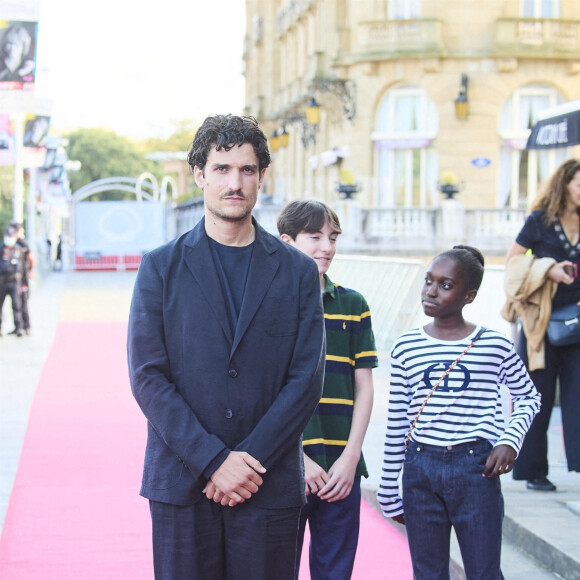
(528, 8)
(400, 176)
(406, 176)
(416, 185)
(414, 9)
(404, 9)
(385, 199)
(407, 110)
(550, 8)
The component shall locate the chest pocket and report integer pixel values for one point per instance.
(281, 315)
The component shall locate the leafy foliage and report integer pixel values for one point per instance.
(179, 140)
(103, 153)
(6, 192)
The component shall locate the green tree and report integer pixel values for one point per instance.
(102, 154)
(180, 139)
(6, 192)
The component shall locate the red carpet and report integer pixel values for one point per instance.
(75, 512)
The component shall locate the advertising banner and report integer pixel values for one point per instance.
(33, 154)
(17, 54)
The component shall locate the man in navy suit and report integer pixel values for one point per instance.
(226, 360)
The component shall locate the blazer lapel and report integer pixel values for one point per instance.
(263, 268)
(198, 258)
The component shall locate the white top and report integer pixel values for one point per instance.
(466, 405)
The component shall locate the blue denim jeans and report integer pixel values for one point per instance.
(443, 487)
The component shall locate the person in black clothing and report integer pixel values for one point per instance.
(27, 274)
(11, 268)
(552, 230)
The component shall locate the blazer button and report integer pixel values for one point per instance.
(229, 414)
(233, 373)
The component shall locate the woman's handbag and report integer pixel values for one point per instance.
(564, 325)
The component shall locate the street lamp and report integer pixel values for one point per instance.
(312, 112)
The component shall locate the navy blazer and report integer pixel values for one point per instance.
(205, 390)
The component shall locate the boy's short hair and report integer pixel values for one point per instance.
(306, 216)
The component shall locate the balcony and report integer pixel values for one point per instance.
(388, 39)
(396, 231)
(537, 38)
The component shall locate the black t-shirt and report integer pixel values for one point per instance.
(233, 264)
(551, 242)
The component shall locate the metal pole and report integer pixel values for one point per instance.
(18, 197)
(31, 206)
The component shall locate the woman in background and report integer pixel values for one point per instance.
(536, 285)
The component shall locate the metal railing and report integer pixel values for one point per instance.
(530, 37)
(395, 230)
(398, 38)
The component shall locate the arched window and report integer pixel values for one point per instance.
(522, 171)
(406, 162)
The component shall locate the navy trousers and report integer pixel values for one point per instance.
(207, 541)
(334, 528)
(562, 366)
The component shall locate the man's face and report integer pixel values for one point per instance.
(320, 246)
(230, 182)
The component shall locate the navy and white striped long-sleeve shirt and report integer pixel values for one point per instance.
(465, 406)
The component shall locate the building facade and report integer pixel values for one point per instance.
(393, 79)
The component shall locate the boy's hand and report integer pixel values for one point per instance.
(500, 461)
(315, 477)
(400, 519)
(339, 484)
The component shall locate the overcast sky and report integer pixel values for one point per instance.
(136, 65)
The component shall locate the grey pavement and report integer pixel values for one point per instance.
(541, 530)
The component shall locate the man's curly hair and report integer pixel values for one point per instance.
(225, 132)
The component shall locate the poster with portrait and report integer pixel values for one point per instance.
(6, 140)
(17, 54)
(36, 131)
(35, 135)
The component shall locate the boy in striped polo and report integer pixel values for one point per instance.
(333, 438)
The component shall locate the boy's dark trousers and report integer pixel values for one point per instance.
(334, 529)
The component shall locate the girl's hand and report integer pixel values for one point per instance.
(500, 461)
(558, 274)
(400, 519)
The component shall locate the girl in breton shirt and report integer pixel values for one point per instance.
(457, 446)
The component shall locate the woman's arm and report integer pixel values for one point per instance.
(555, 273)
(515, 250)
